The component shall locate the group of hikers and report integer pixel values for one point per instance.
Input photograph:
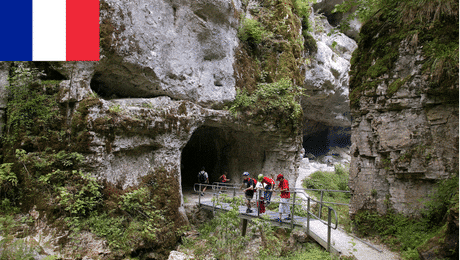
(264, 186)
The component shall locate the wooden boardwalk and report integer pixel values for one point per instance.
(319, 235)
(325, 233)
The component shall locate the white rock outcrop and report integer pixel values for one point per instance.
(326, 77)
(180, 49)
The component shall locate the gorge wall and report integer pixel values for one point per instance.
(156, 106)
(169, 67)
(404, 104)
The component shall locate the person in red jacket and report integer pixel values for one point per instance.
(269, 186)
(223, 180)
(285, 196)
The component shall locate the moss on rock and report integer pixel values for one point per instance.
(381, 38)
(277, 53)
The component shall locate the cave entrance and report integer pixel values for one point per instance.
(322, 141)
(208, 147)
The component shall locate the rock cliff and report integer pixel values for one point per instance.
(404, 105)
(326, 107)
(157, 101)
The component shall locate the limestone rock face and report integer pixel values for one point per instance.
(401, 142)
(131, 138)
(327, 7)
(155, 99)
(4, 66)
(180, 49)
(326, 78)
(77, 83)
(326, 107)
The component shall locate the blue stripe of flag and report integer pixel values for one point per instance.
(16, 30)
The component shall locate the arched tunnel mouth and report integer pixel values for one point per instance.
(209, 148)
(221, 149)
(327, 137)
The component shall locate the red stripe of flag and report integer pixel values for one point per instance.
(82, 30)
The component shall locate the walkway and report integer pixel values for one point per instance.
(341, 243)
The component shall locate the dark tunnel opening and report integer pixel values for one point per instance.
(316, 143)
(114, 86)
(98, 85)
(207, 148)
(320, 142)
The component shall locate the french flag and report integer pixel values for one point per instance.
(49, 30)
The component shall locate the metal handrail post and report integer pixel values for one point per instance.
(329, 229)
(258, 204)
(234, 192)
(292, 213)
(214, 203)
(199, 195)
(321, 204)
(308, 216)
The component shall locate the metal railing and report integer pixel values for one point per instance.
(217, 187)
(299, 190)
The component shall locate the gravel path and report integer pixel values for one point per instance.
(343, 242)
(349, 246)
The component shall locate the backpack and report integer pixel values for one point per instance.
(254, 182)
(201, 177)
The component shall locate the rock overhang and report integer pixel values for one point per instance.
(182, 50)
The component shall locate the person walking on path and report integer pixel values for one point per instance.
(223, 180)
(269, 185)
(285, 196)
(203, 179)
(260, 187)
(249, 191)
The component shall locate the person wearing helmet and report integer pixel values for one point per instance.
(269, 184)
(285, 196)
(260, 187)
(249, 191)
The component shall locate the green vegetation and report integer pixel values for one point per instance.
(406, 234)
(252, 32)
(442, 200)
(430, 24)
(273, 41)
(277, 101)
(400, 233)
(16, 250)
(337, 180)
(221, 238)
(115, 109)
(43, 168)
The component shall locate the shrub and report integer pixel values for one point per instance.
(278, 100)
(441, 200)
(30, 109)
(399, 232)
(8, 178)
(82, 197)
(223, 235)
(17, 250)
(251, 31)
(337, 180)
